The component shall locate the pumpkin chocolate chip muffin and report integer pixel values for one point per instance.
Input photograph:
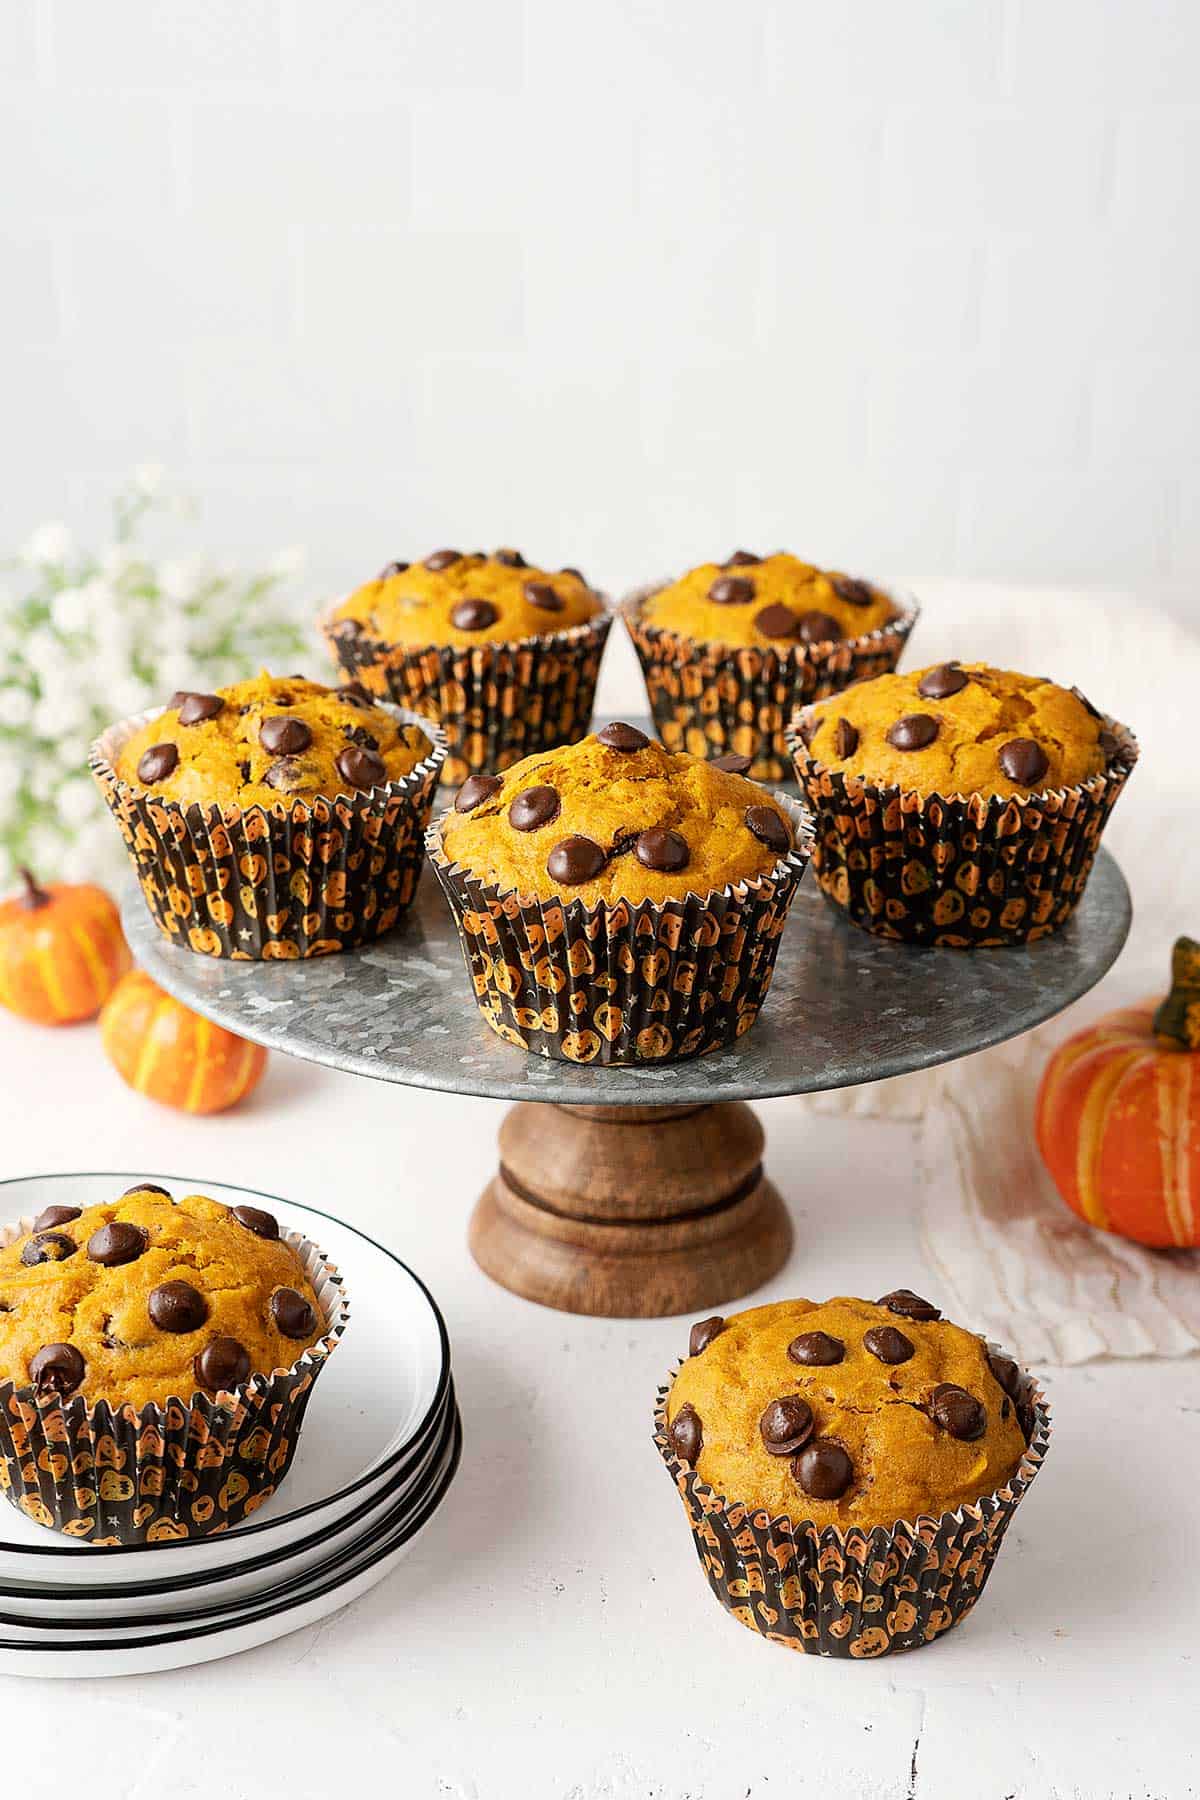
(504, 654)
(158, 1311)
(808, 1438)
(618, 902)
(731, 649)
(223, 798)
(959, 805)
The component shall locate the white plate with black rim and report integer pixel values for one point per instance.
(179, 1642)
(377, 1398)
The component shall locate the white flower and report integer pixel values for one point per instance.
(16, 706)
(117, 560)
(180, 578)
(129, 695)
(148, 478)
(51, 543)
(70, 609)
(75, 802)
(63, 712)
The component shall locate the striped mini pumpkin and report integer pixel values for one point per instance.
(1118, 1115)
(166, 1051)
(62, 951)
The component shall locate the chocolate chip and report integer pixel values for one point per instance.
(958, 1412)
(1006, 1372)
(361, 768)
(475, 790)
(51, 1246)
(156, 763)
(57, 1369)
(575, 859)
(619, 736)
(845, 738)
(1023, 761)
(473, 615)
(940, 683)
(823, 1470)
(117, 1243)
(176, 1306)
(731, 590)
(510, 559)
(907, 1305)
(390, 569)
(543, 596)
(284, 737)
(852, 591)
(443, 559)
(817, 628)
(888, 1344)
(741, 559)
(785, 1425)
(703, 1332)
(50, 1216)
(686, 1435)
(222, 1365)
(292, 1313)
(288, 774)
(662, 850)
(816, 1350)
(733, 764)
(358, 734)
(262, 1224)
(768, 827)
(142, 1187)
(776, 621)
(915, 732)
(198, 707)
(534, 807)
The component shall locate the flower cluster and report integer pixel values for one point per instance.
(86, 639)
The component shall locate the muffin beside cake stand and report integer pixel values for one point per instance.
(639, 1192)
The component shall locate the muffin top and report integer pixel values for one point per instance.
(960, 728)
(616, 817)
(772, 601)
(847, 1412)
(273, 738)
(452, 598)
(143, 1298)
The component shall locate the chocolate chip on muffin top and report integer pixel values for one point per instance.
(458, 598)
(772, 601)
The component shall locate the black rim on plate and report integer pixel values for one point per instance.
(386, 1463)
(434, 1500)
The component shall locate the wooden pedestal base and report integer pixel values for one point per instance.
(631, 1212)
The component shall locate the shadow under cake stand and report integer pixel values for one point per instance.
(638, 1192)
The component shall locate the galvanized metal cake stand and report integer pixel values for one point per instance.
(637, 1192)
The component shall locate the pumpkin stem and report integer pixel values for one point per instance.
(1179, 1015)
(34, 896)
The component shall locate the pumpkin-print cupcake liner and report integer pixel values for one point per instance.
(660, 981)
(496, 703)
(294, 879)
(852, 1592)
(965, 871)
(190, 1468)
(710, 699)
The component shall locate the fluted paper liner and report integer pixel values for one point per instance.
(191, 1468)
(710, 699)
(295, 879)
(852, 1592)
(618, 983)
(497, 702)
(965, 871)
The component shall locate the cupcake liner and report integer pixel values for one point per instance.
(496, 702)
(963, 871)
(618, 983)
(854, 1592)
(190, 1468)
(298, 878)
(709, 699)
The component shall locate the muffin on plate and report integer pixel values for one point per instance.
(505, 655)
(156, 1358)
(849, 1468)
(959, 805)
(731, 649)
(275, 818)
(618, 902)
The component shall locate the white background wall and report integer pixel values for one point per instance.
(909, 285)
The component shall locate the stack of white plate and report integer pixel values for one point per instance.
(379, 1448)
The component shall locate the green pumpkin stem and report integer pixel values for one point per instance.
(34, 896)
(1179, 1015)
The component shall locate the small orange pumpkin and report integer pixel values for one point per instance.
(62, 951)
(1118, 1115)
(163, 1049)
